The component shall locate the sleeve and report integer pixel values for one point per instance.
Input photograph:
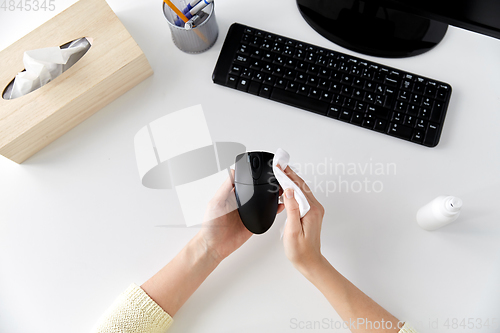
(407, 329)
(134, 312)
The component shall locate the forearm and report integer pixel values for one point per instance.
(178, 280)
(352, 305)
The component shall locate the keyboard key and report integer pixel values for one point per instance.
(380, 125)
(400, 131)
(259, 77)
(232, 81)
(254, 88)
(312, 81)
(442, 92)
(338, 100)
(358, 94)
(235, 69)
(424, 113)
(346, 91)
(243, 84)
(421, 124)
(391, 82)
(326, 96)
(431, 89)
(292, 86)
(300, 78)
(280, 83)
(404, 96)
(315, 93)
(324, 73)
(345, 115)
(397, 117)
(412, 110)
(265, 91)
(406, 84)
(360, 106)
(303, 90)
(293, 99)
(368, 123)
(242, 60)
(369, 86)
(418, 136)
(410, 121)
(333, 112)
(437, 111)
(357, 118)
(401, 106)
(349, 103)
(358, 83)
(431, 137)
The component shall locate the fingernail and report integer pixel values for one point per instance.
(289, 193)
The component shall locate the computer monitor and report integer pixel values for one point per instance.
(398, 28)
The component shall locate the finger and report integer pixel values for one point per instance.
(281, 207)
(225, 188)
(293, 225)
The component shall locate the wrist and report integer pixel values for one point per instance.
(313, 268)
(205, 251)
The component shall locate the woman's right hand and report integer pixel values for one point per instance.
(301, 237)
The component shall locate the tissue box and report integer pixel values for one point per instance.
(113, 65)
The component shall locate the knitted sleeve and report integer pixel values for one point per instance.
(407, 329)
(134, 312)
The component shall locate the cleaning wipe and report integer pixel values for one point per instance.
(282, 158)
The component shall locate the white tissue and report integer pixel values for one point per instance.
(44, 65)
(282, 158)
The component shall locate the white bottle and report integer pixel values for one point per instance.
(439, 212)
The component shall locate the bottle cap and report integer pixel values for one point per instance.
(453, 204)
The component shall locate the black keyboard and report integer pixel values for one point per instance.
(333, 84)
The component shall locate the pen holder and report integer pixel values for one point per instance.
(198, 38)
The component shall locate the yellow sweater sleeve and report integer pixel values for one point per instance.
(407, 329)
(134, 312)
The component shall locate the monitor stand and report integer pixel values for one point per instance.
(372, 28)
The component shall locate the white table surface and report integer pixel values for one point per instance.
(77, 227)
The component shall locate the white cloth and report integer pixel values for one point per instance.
(282, 158)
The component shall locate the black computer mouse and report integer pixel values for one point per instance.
(257, 190)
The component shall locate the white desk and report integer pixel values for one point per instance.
(77, 227)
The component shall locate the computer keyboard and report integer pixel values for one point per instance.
(333, 84)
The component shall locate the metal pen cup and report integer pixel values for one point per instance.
(192, 39)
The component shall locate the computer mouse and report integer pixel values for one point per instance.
(257, 190)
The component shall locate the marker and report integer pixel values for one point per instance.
(202, 4)
(190, 6)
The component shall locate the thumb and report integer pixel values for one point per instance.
(293, 224)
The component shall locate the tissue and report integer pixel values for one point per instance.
(44, 65)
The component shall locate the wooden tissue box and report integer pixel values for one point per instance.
(113, 65)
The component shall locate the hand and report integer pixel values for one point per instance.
(222, 231)
(301, 237)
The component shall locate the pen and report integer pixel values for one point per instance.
(193, 22)
(202, 4)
